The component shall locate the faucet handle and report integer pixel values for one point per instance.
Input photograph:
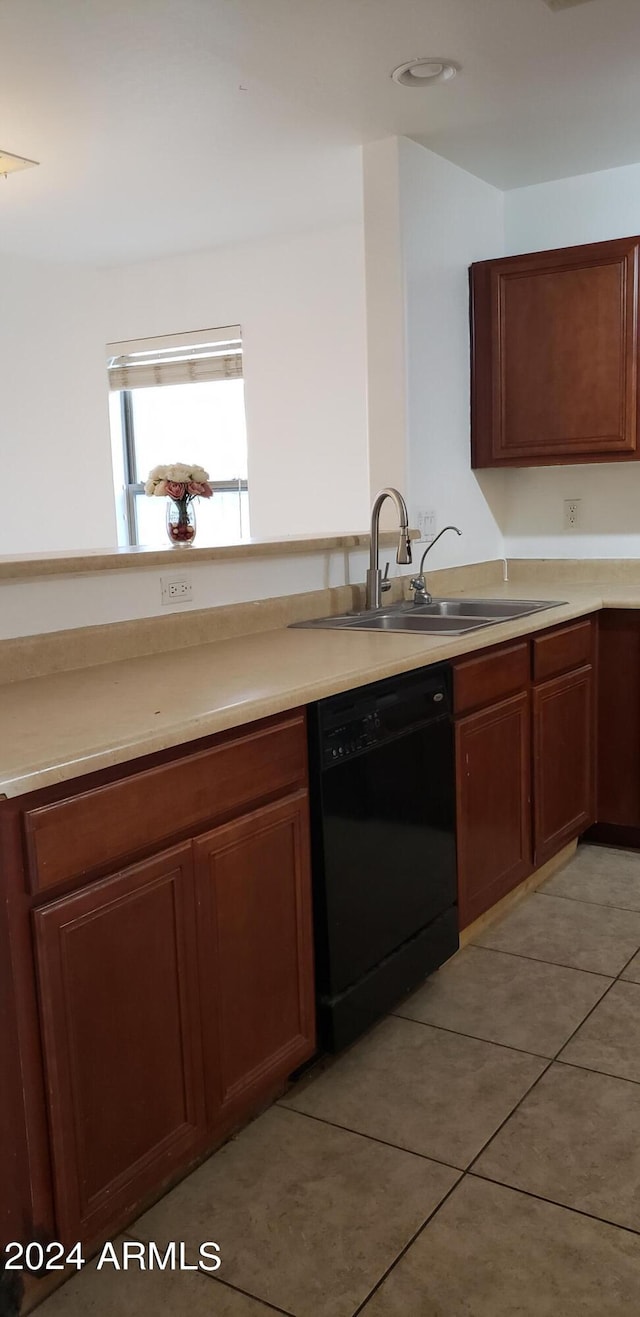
(418, 585)
(385, 583)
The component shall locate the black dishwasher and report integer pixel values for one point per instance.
(383, 846)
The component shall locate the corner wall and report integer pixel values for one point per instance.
(589, 208)
(449, 218)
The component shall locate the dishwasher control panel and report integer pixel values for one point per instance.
(354, 723)
(351, 737)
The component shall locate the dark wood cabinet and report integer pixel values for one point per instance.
(117, 975)
(493, 804)
(156, 971)
(256, 955)
(618, 777)
(555, 356)
(564, 760)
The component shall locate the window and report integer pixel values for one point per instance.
(180, 399)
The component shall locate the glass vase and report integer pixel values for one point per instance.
(181, 521)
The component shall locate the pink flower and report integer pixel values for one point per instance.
(200, 487)
(175, 489)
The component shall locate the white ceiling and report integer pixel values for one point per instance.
(171, 125)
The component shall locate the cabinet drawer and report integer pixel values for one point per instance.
(559, 651)
(112, 823)
(490, 677)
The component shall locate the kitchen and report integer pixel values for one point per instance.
(155, 831)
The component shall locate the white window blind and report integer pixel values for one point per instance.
(207, 354)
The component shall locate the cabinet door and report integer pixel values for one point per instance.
(555, 356)
(618, 788)
(564, 760)
(121, 1036)
(256, 955)
(493, 773)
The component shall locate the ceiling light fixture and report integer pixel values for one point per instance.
(9, 163)
(425, 72)
(556, 5)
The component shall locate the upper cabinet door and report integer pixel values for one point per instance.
(554, 356)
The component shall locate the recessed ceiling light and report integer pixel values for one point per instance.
(10, 163)
(424, 72)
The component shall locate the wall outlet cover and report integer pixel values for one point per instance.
(571, 513)
(175, 590)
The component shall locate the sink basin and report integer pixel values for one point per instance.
(493, 608)
(451, 617)
(418, 621)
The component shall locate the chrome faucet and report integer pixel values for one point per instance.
(375, 582)
(418, 583)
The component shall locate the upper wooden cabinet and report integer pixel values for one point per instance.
(555, 356)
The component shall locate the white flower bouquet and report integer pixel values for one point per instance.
(180, 484)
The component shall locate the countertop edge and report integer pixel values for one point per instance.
(241, 712)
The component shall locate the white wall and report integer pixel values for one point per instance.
(55, 603)
(449, 218)
(57, 489)
(590, 208)
(301, 303)
(386, 321)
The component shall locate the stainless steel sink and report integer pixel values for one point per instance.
(452, 617)
(418, 621)
(492, 608)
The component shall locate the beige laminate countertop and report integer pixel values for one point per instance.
(58, 727)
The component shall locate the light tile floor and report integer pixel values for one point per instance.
(477, 1154)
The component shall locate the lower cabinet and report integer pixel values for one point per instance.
(618, 786)
(493, 804)
(256, 955)
(525, 759)
(176, 994)
(120, 1020)
(564, 760)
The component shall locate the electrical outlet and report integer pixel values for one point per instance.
(571, 513)
(427, 524)
(175, 590)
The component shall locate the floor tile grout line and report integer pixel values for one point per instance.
(220, 1281)
(373, 1138)
(584, 1021)
(540, 1076)
(409, 1244)
(624, 967)
(473, 1037)
(603, 905)
(502, 1124)
(272, 1307)
(607, 1074)
(520, 955)
(553, 1202)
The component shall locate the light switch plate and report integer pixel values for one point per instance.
(427, 523)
